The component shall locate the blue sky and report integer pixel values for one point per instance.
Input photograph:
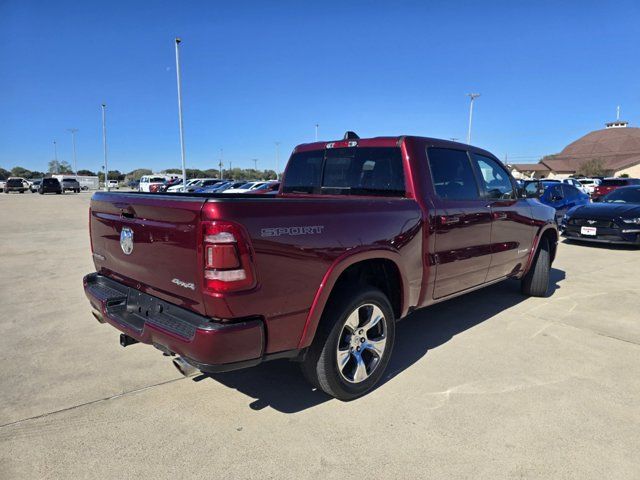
(257, 73)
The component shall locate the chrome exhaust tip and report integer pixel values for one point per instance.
(184, 367)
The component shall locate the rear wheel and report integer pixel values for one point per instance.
(536, 282)
(353, 345)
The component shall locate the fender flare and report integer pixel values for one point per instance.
(331, 277)
(536, 241)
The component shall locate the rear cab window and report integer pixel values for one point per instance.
(374, 171)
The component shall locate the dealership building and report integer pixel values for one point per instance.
(616, 147)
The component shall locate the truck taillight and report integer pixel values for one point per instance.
(227, 258)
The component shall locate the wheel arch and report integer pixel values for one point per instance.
(379, 268)
(550, 233)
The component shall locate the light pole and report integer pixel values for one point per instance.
(55, 156)
(277, 160)
(231, 169)
(182, 155)
(255, 164)
(73, 142)
(104, 146)
(220, 164)
(317, 131)
(473, 96)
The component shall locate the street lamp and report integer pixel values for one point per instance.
(277, 160)
(255, 164)
(317, 131)
(104, 146)
(220, 164)
(73, 142)
(473, 96)
(55, 156)
(182, 155)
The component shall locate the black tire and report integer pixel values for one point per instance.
(320, 365)
(536, 282)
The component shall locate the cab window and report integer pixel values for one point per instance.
(494, 178)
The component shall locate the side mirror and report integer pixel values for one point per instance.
(532, 190)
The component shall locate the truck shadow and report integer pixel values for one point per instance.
(280, 385)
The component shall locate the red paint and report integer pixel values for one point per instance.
(441, 248)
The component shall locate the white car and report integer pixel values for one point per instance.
(147, 180)
(576, 183)
(179, 187)
(589, 184)
(113, 184)
(247, 187)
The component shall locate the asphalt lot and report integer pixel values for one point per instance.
(490, 385)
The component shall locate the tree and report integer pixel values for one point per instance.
(37, 174)
(113, 175)
(87, 173)
(593, 168)
(4, 174)
(20, 172)
(623, 175)
(56, 166)
(136, 174)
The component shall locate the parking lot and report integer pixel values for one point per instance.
(490, 385)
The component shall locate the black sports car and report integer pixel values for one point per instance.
(615, 219)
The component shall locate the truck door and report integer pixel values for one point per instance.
(511, 231)
(462, 223)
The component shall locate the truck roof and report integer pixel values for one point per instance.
(389, 141)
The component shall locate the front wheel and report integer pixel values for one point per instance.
(353, 344)
(536, 282)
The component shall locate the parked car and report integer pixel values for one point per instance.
(364, 232)
(558, 195)
(134, 184)
(220, 187)
(203, 183)
(50, 185)
(113, 184)
(35, 184)
(71, 184)
(574, 182)
(247, 187)
(589, 184)
(147, 180)
(268, 188)
(610, 184)
(16, 185)
(615, 219)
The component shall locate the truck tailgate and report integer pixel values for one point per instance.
(165, 232)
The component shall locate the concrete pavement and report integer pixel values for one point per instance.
(490, 385)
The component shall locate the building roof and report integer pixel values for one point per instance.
(605, 142)
(530, 167)
(616, 148)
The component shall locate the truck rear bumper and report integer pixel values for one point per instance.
(209, 345)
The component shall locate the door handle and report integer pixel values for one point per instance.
(499, 215)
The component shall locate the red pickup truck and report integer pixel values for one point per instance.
(361, 232)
